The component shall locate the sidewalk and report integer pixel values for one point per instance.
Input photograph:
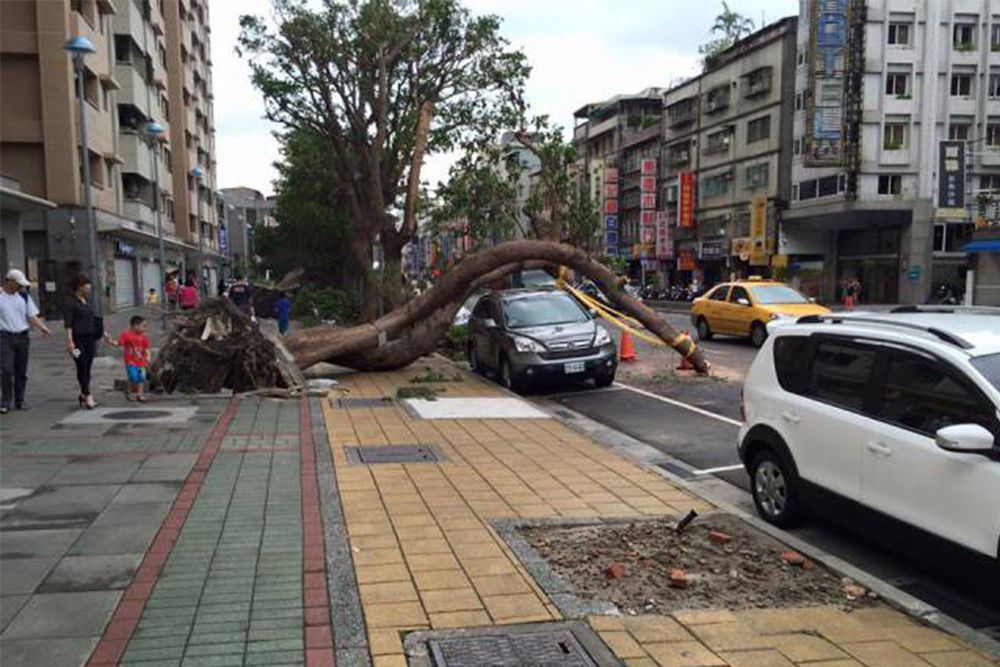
(217, 531)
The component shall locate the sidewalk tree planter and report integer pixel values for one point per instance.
(413, 330)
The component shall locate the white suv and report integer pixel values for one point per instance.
(897, 411)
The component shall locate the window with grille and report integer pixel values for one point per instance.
(713, 186)
(899, 34)
(894, 136)
(757, 176)
(964, 36)
(961, 85)
(759, 129)
(898, 84)
(959, 131)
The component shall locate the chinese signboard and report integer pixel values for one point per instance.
(664, 246)
(685, 260)
(685, 200)
(611, 210)
(951, 180)
(611, 190)
(223, 240)
(648, 167)
(648, 201)
(758, 231)
(611, 206)
(611, 223)
(647, 184)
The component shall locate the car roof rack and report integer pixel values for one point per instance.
(947, 337)
(944, 309)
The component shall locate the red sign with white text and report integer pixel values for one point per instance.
(685, 200)
(647, 184)
(647, 201)
(611, 207)
(648, 167)
(611, 190)
(611, 175)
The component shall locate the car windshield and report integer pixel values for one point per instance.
(771, 294)
(535, 311)
(536, 278)
(989, 366)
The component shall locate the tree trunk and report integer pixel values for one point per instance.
(404, 328)
(361, 249)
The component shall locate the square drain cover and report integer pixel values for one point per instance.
(366, 402)
(558, 647)
(395, 454)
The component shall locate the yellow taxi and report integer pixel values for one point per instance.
(744, 308)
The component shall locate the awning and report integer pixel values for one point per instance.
(16, 200)
(986, 245)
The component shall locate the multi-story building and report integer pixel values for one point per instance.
(515, 155)
(600, 132)
(151, 66)
(879, 86)
(726, 156)
(247, 209)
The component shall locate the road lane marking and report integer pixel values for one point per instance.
(712, 471)
(679, 404)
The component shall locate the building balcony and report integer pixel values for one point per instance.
(137, 155)
(602, 127)
(580, 132)
(133, 87)
(677, 117)
(141, 212)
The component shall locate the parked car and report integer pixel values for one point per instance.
(526, 336)
(536, 278)
(744, 308)
(898, 413)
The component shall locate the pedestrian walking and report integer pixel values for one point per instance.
(83, 330)
(18, 314)
(187, 296)
(849, 293)
(241, 294)
(284, 308)
(135, 343)
(171, 289)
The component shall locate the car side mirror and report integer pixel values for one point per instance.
(965, 439)
(488, 322)
(743, 302)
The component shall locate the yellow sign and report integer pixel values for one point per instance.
(758, 231)
(779, 261)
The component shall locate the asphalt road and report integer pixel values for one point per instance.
(697, 424)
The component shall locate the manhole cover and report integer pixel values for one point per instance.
(134, 415)
(558, 647)
(395, 454)
(366, 402)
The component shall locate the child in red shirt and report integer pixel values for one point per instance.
(136, 344)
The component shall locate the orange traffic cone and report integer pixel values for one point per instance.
(685, 365)
(627, 352)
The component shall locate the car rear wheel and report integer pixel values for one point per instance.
(507, 378)
(704, 331)
(774, 490)
(758, 334)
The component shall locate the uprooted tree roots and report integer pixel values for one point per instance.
(215, 347)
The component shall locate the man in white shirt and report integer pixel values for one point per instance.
(18, 313)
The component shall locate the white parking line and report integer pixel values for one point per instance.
(679, 404)
(712, 471)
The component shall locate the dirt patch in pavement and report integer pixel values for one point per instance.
(646, 567)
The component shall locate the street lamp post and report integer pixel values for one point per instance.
(153, 132)
(79, 48)
(198, 173)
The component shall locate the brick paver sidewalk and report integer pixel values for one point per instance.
(426, 556)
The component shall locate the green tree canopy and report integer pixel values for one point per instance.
(729, 28)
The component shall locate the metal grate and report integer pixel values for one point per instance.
(395, 454)
(366, 402)
(558, 648)
(136, 415)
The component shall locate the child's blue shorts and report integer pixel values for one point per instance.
(136, 374)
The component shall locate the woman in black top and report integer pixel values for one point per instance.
(83, 330)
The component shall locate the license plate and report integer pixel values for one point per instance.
(574, 367)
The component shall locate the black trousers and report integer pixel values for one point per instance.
(13, 367)
(87, 346)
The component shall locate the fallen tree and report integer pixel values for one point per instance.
(412, 330)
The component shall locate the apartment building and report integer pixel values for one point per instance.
(151, 68)
(601, 131)
(726, 158)
(879, 86)
(246, 210)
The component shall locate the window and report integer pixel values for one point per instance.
(789, 352)
(924, 395)
(720, 293)
(994, 86)
(800, 57)
(961, 85)
(799, 101)
(990, 182)
(894, 136)
(738, 293)
(899, 34)
(542, 310)
(898, 84)
(796, 146)
(840, 373)
(964, 36)
(952, 236)
(713, 186)
(829, 185)
(959, 131)
(890, 184)
(757, 176)
(758, 129)
(993, 135)
(757, 82)
(995, 37)
(718, 142)
(807, 189)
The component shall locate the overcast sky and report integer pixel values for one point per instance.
(580, 51)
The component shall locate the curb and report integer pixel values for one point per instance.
(893, 596)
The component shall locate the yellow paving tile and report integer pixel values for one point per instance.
(396, 614)
(622, 644)
(765, 658)
(883, 654)
(431, 562)
(461, 599)
(478, 550)
(683, 654)
(370, 574)
(432, 546)
(500, 584)
(397, 660)
(436, 580)
(803, 647)
(477, 567)
(384, 641)
(921, 639)
(514, 606)
(650, 629)
(379, 541)
(640, 662)
(391, 591)
(459, 619)
(956, 659)
(730, 636)
(612, 623)
(389, 556)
